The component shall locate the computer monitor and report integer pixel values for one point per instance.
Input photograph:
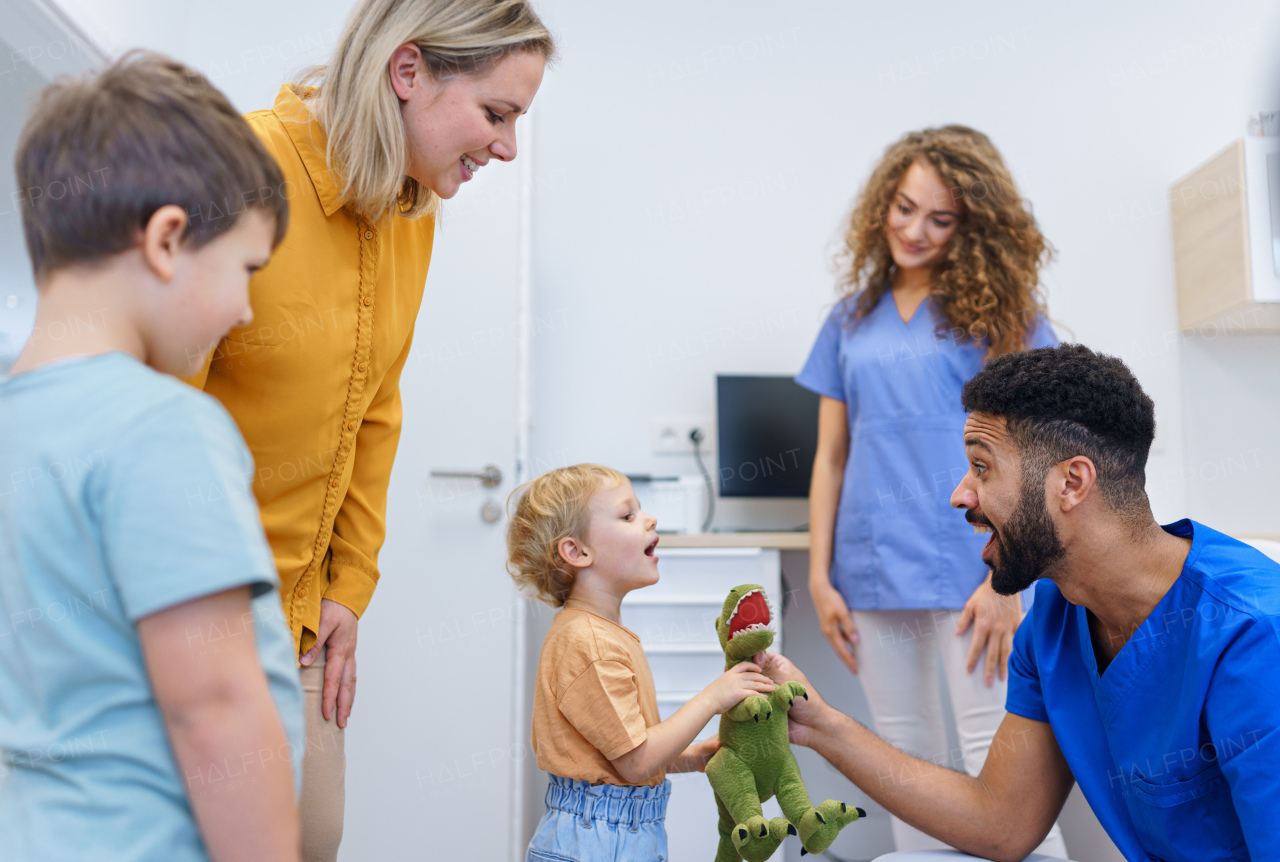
(767, 429)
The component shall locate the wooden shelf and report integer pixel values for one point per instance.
(1211, 249)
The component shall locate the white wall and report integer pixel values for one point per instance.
(246, 48)
(696, 161)
(17, 289)
(36, 45)
(1231, 410)
(249, 68)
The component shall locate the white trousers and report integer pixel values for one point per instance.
(898, 654)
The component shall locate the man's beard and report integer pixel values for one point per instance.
(1027, 545)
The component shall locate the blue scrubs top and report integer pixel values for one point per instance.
(898, 542)
(1176, 745)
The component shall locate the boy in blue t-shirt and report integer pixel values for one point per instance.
(149, 702)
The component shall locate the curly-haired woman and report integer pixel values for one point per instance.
(940, 273)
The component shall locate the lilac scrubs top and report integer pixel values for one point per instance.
(898, 542)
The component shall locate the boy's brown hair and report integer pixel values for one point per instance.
(550, 508)
(99, 155)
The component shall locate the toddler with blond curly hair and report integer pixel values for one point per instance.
(578, 540)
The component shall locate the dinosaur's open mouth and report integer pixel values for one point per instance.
(751, 614)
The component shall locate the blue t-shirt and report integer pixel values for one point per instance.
(898, 542)
(1175, 745)
(122, 492)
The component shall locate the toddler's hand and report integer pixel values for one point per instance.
(740, 681)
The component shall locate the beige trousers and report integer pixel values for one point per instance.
(324, 770)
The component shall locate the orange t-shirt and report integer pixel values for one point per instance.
(593, 699)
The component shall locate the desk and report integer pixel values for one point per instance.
(779, 541)
(947, 856)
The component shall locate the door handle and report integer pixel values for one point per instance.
(490, 476)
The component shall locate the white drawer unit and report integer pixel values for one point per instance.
(676, 621)
(709, 573)
(661, 626)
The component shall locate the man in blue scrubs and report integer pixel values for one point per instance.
(1149, 667)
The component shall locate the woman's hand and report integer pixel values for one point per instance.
(338, 625)
(835, 619)
(994, 619)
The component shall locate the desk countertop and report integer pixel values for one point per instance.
(792, 541)
(781, 541)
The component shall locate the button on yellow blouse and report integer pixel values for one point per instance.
(313, 381)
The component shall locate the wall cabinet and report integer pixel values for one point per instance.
(1226, 240)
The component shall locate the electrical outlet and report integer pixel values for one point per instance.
(671, 436)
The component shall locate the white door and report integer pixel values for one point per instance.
(431, 744)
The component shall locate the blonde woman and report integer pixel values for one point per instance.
(940, 270)
(418, 96)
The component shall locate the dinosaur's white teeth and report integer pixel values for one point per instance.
(754, 627)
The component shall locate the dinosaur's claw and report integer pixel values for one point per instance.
(756, 707)
(757, 839)
(785, 694)
(820, 826)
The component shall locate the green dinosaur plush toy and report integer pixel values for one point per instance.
(755, 761)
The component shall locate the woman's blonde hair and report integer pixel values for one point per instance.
(552, 507)
(360, 111)
(988, 283)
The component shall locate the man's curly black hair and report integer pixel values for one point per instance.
(1059, 402)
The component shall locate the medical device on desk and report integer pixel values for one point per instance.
(678, 502)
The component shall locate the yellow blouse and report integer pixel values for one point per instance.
(313, 381)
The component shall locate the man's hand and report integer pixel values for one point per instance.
(695, 757)
(805, 713)
(994, 618)
(1001, 814)
(337, 631)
